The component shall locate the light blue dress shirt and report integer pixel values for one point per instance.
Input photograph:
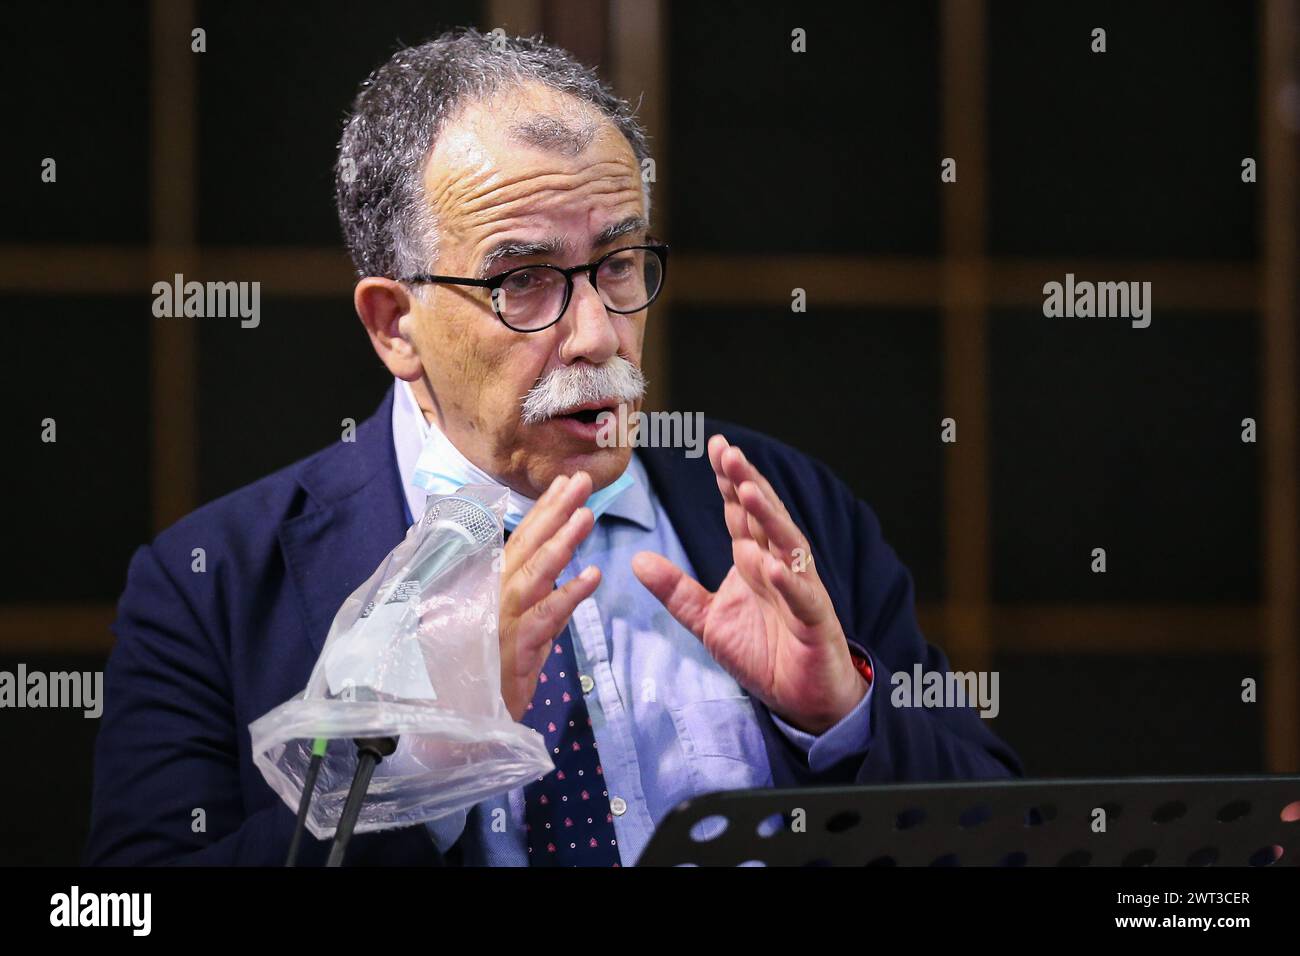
(670, 723)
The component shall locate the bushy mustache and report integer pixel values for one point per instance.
(564, 388)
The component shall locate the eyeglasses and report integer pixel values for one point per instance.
(533, 298)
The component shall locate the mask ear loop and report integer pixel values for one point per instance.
(433, 397)
(424, 378)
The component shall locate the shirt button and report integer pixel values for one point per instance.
(618, 805)
(586, 683)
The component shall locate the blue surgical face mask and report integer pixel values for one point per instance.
(441, 469)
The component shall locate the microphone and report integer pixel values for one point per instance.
(457, 528)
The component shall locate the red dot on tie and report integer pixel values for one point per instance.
(592, 844)
(568, 821)
(576, 745)
(543, 679)
(550, 848)
(586, 795)
(559, 775)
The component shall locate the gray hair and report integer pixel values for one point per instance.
(405, 104)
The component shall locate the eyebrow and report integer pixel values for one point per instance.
(554, 246)
(620, 229)
(517, 249)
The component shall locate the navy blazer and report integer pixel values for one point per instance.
(200, 655)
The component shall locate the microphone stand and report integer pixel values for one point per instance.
(370, 752)
(308, 787)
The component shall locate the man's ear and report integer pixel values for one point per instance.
(386, 310)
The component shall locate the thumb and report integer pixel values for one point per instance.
(685, 598)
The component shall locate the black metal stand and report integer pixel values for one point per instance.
(1225, 821)
(370, 752)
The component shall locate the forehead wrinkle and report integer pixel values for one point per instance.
(497, 220)
(482, 186)
(477, 177)
(524, 212)
(544, 186)
(452, 191)
(519, 210)
(496, 227)
(475, 221)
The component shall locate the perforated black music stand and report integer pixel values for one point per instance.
(1171, 821)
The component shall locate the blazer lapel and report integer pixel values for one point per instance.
(331, 550)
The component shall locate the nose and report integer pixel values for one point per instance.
(588, 327)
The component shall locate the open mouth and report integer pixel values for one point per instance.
(584, 423)
(587, 414)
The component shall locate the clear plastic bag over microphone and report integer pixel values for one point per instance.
(412, 654)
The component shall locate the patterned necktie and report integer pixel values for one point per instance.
(566, 813)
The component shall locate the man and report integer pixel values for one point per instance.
(670, 625)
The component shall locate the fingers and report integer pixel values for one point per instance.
(739, 469)
(535, 577)
(717, 445)
(780, 530)
(527, 640)
(749, 557)
(805, 601)
(535, 556)
(685, 598)
(761, 509)
(739, 524)
(546, 618)
(556, 506)
(533, 611)
(762, 506)
(732, 510)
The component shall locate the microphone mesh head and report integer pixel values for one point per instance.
(480, 523)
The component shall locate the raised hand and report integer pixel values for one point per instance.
(772, 627)
(533, 610)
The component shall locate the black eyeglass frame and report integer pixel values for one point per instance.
(493, 283)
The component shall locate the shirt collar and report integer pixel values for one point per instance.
(411, 431)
